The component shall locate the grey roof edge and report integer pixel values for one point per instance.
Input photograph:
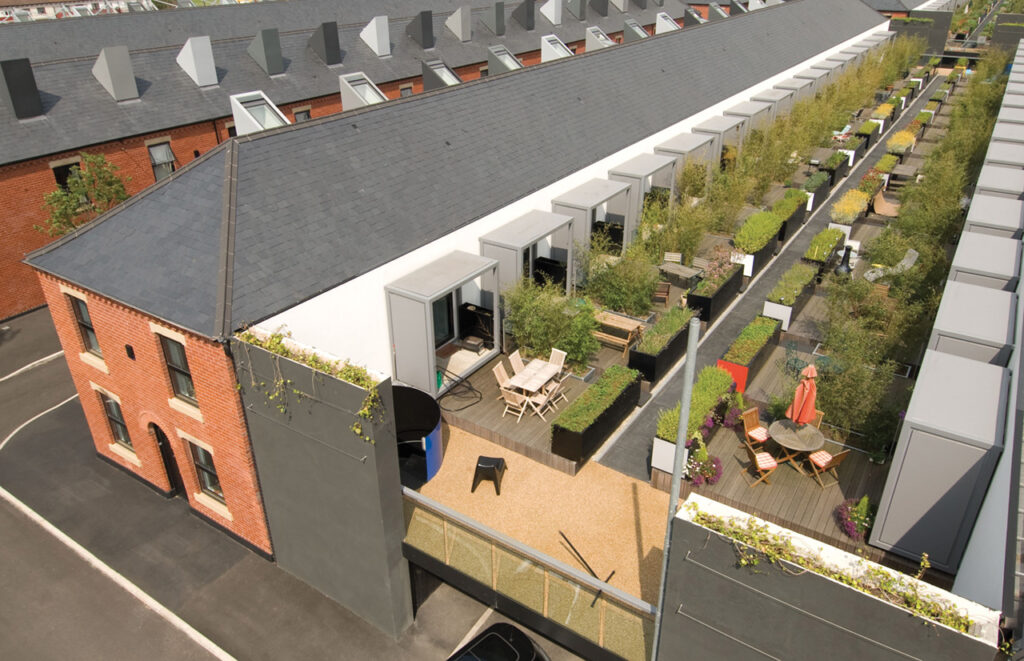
(113, 211)
(225, 271)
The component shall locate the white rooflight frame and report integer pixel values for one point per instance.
(358, 91)
(254, 112)
(553, 48)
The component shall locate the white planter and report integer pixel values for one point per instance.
(845, 229)
(930, 112)
(810, 202)
(783, 313)
(849, 154)
(663, 455)
(746, 260)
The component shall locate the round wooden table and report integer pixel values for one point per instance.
(795, 439)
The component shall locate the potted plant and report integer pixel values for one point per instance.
(836, 166)
(854, 150)
(848, 210)
(702, 467)
(662, 345)
(756, 240)
(721, 282)
(855, 517)
(710, 391)
(790, 294)
(749, 350)
(885, 166)
(871, 183)
(817, 186)
(823, 248)
(883, 113)
(792, 209)
(900, 143)
(869, 131)
(585, 423)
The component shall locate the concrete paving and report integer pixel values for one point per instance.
(629, 450)
(56, 606)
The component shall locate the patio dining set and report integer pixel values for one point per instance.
(535, 386)
(798, 443)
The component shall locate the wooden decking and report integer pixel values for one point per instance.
(476, 408)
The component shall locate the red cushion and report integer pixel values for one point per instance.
(758, 434)
(820, 458)
(765, 461)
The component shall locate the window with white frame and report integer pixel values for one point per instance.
(206, 471)
(118, 429)
(178, 370)
(162, 159)
(85, 328)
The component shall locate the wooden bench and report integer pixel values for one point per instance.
(613, 340)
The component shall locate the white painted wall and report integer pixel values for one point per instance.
(350, 321)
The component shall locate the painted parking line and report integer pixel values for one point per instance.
(118, 579)
(35, 363)
(34, 418)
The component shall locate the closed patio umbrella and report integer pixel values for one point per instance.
(802, 411)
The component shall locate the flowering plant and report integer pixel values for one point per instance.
(900, 142)
(870, 182)
(855, 517)
(718, 270)
(701, 467)
(883, 111)
(850, 205)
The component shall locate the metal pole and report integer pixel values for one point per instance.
(677, 469)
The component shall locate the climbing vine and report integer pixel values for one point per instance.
(277, 344)
(754, 542)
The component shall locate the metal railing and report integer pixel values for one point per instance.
(608, 617)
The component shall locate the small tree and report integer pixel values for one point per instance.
(93, 188)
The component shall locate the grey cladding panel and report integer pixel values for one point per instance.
(421, 29)
(113, 70)
(524, 14)
(600, 7)
(494, 18)
(324, 43)
(265, 49)
(21, 88)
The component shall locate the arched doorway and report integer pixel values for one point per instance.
(170, 465)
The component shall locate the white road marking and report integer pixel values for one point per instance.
(474, 630)
(37, 363)
(120, 580)
(34, 418)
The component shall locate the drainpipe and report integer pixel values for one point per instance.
(677, 469)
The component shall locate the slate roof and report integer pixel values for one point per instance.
(79, 112)
(890, 5)
(312, 206)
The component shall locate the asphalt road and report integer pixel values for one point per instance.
(54, 605)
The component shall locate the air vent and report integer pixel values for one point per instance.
(20, 83)
(599, 6)
(552, 10)
(196, 59)
(421, 29)
(621, 5)
(376, 36)
(461, 24)
(113, 68)
(324, 42)
(265, 49)
(494, 18)
(577, 8)
(524, 14)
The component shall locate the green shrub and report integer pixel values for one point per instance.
(834, 161)
(823, 243)
(757, 231)
(793, 200)
(867, 128)
(542, 317)
(711, 385)
(815, 180)
(585, 409)
(910, 19)
(693, 179)
(720, 268)
(932, 105)
(750, 340)
(664, 329)
(854, 142)
(792, 283)
(887, 163)
(626, 286)
(923, 117)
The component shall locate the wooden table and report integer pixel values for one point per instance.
(681, 276)
(537, 374)
(905, 171)
(631, 327)
(795, 439)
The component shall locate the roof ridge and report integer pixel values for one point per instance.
(226, 269)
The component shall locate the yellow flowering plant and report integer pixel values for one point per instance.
(900, 142)
(850, 205)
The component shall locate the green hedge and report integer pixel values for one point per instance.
(822, 244)
(757, 231)
(815, 180)
(854, 142)
(910, 19)
(750, 340)
(834, 161)
(887, 163)
(867, 128)
(596, 399)
(664, 329)
(793, 200)
(712, 383)
(923, 117)
(792, 283)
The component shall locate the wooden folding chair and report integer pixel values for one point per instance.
(502, 377)
(818, 417)
(753, 430)
(555, 393)
(514, 402)
(661, 292)
(763, 463)
(673, 257)
(557, 358)
(823, 462)
(538, 402)
(517, 361)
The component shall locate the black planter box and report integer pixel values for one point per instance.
(870, 138)
(652, 368)
(830, 262)
(764, 255)
(791, 224)
(709, 307)
(836, 175)
(577, 446)
(819, 193)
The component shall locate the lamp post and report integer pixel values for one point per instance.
(677, 469)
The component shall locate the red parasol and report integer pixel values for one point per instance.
(802, 411)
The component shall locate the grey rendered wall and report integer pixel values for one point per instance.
(1007, 36)
(718, 610)
(411, 337)
(333, 500)
(510, 263)
(985, 353)
(936, 33)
